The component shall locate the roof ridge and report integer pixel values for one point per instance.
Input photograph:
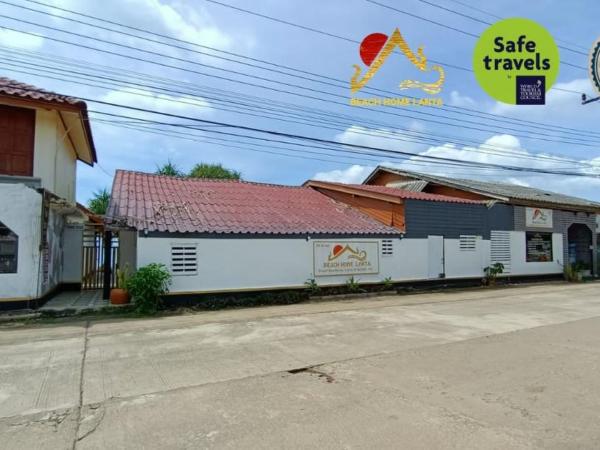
(217, 180)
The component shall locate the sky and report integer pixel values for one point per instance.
(292, 76)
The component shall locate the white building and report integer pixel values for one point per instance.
(42, 136)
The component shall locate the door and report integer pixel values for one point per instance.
(17, 127)
(435, 256)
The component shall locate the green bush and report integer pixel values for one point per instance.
(491, 273)
(147, 285)
(387, 284)
(353, 286)
(312, 286)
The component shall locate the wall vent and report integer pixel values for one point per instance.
(468, 243)
(184, 259)
(500, 249)
(387, 247)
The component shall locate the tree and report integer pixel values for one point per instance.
(169, 169)
(98, 204)
(204, 170)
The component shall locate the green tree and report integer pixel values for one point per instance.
(204, 170)
(169, 169)
(98, 204)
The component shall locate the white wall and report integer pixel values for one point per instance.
(20, 210)
(466, 263)
(519, 264)
(54, 161)
(236, 264)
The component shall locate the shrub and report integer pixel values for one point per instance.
(147, 285)
(312, 286)
(492, 272)
(122, 276)
(352, 286)
(388, 283)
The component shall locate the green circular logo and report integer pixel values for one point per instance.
(516, 61)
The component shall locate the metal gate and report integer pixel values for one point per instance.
(94, 257)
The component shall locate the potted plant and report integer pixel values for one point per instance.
(120, 295)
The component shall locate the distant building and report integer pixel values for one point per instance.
(42, 136)
(534, 232)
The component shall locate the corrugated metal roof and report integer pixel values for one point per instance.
(499, 190)
(185, 205)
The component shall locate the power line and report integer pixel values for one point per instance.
(317, 140)
(475, 19)
(538, 136)
(481, 148)
(314, 30)
(230, 53)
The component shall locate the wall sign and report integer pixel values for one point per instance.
(516, 61)
(538, 246)
(345, 258)
(538, 218)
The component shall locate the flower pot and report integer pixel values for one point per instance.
(119, 296)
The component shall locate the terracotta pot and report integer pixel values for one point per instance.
(119, 296)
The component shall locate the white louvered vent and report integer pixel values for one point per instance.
(387, 247)
(184, 259)
(468, 243)
(500, 249)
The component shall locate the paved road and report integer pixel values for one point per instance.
(506, 368)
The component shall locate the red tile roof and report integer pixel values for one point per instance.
(168, 204)
(393, 192)
(22, 90)
(16, 89)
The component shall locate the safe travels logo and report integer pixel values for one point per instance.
(374, 51)
(516, 61)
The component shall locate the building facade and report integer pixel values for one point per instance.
(43, 136)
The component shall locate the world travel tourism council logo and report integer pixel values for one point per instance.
(374, 50)
(516, 61)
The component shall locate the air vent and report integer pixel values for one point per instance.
(387, 247)
(500, 249)
(184, 259)
(468, 243)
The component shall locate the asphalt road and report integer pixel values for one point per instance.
(506, 368)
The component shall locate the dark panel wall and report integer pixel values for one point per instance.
(424, 218)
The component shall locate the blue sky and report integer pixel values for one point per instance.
(226, 29)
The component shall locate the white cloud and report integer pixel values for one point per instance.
(354, 174)
(457, 99)
(502, 149)
(188, 21)
(160, 102)
(11, 38)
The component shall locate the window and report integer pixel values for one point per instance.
(184, 259)
(538, 246)
(9, 245)
(468, 243)
(387, 247)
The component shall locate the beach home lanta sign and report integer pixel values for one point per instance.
(538, 217)
(345, 258)
(374, 51)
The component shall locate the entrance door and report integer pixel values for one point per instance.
(435, 256)
(94, 258)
